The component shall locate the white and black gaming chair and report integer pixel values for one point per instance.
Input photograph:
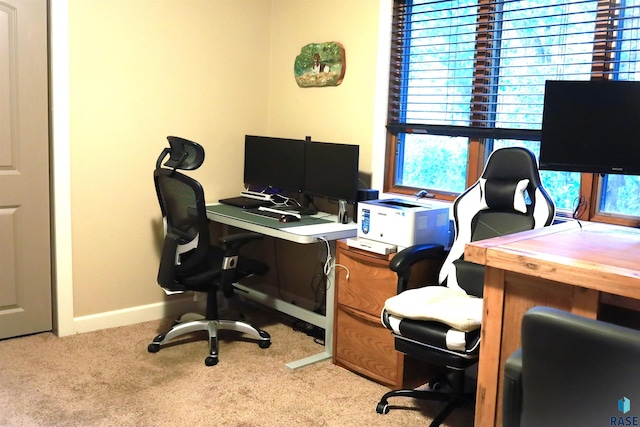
(189, 262)
(441, 324)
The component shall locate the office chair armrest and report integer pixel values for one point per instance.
(402, 262)
(512, 393)
(233, 242)
(167, 270)
(231, 245)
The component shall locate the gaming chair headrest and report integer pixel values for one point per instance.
(508, 175)
(512, 164)
(183, 154)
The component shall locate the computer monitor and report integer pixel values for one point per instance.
(274, 163)
(331, 171)
(591, 126)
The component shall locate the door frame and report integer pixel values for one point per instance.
(61, 244)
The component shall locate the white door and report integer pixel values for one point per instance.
(25, 252)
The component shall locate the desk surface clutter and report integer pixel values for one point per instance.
(238, 213)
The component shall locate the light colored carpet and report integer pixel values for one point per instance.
(107, 378)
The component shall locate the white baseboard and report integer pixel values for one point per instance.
(129, 316)
(174, 307)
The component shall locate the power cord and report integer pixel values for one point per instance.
(345, 267)
(286, 202)
(311, 330)
(580, 205)
(328, 263)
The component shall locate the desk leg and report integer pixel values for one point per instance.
(325, 322)
(507, 297)
(490, 346)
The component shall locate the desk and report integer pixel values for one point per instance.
(562, 266)
(308, 230)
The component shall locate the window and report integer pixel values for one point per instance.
(468, 76)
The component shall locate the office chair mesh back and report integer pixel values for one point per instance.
(177, 196)
(182, 200)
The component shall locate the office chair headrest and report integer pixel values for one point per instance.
(504, 195)
(183, 154)
(512, 164)
(510, 173)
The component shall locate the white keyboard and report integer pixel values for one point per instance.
(255, 195)
(279, 211)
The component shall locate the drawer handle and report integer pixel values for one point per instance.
(360, 315)
(363, 257)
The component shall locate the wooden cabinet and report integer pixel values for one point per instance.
(361, 344)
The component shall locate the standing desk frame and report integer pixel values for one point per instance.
(308, 232)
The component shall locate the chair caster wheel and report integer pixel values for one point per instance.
(264, 334)
(211, 361)
(153, 348)
(441, 383)
(264, 344)
(435, 385)
(382, 408)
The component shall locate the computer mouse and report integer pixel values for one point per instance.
(288, 218)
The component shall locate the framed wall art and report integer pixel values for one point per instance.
(320, 64)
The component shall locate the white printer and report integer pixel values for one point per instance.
(390, 225)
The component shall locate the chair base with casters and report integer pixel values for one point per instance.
(212, 326)
(449, 389)
(192, 322)
(436, 343)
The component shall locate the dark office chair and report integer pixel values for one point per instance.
(571, 371)
(189, 262)
(441, 324)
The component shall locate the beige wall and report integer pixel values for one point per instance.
(334, 114)
(207, 70)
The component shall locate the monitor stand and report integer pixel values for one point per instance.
(308, 208)
(308, 211)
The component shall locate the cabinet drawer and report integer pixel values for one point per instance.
(363, 345)
(369, 285)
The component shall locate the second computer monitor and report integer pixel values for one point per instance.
(331, 171)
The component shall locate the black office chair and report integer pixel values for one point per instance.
(571, 371)
(441, 324)
(189, 262)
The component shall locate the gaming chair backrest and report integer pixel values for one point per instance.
(507, 198)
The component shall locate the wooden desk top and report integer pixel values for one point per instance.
(597, 256)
